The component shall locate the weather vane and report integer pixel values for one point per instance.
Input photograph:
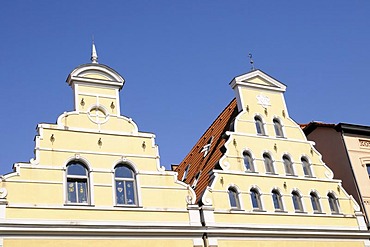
(251, 61)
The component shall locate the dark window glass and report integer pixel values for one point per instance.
(256, 199)
(315, 202)
(233, 198)
(248, 161)
(288, 165)
(268, 163)
(259, 126)
(278, 128)
(333, 203)
(297, 202)
(306, 167)
(276, 198)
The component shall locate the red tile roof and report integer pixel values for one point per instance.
(196, 158)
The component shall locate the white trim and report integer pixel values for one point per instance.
(239, 81)
(61, 126)
(275, 176)
(97, 153)
(108, 96)
(229, 133)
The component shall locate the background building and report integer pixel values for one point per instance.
(346, 150)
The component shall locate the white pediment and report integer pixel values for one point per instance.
(96, 74)
(258, 79)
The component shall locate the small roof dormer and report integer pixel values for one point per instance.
(95, 84)
(259, 83)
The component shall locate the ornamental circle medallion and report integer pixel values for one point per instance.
(98, 115)
(263, 100)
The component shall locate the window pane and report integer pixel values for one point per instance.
(288, 165)
(233, 198)
(306, 167)
(76, 169)
(71, 192)
(130, 192)
(368, 169)
(277, 201)
(248, 162)
(259, 126)
(120, 192)
(124, 172)
(333, 203)
(297, 202)
(278, 128)
(268, 164)
(315, 203)
(82, 192)
(255, 199)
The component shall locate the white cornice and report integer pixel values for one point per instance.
(241, 80)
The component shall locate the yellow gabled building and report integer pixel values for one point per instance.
(96, 180)
(259, 182)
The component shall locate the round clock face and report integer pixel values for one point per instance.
(98, 115)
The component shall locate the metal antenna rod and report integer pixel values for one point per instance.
(251, 61)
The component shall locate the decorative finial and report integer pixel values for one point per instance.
(251, 61)
(94, 54)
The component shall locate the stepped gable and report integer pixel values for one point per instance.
(198, 161)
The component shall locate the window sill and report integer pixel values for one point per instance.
(78, 205)
(336, 213)
(291, 175)
(249, 171)
(236, 210)
(319, 213)
(272, 173)
(258, 210)
(280, 211)
(127, 206)
(300, 212)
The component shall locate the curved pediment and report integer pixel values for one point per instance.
(96, 74)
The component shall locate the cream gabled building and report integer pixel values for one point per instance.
(259, 182)
(96, 180)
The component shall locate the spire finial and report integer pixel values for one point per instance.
(94, 54)
(251, 61)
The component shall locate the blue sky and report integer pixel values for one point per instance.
(178, 58)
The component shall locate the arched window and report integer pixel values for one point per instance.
(77, 183)
(269, 166)
(125, 185)
(368, 169)
(315, 202)
(333, 203)
(248, 161)
(288, 165)
(276, 198)
(297, 201)
(278, 128)
(306, 167)
(259, 125)
(234, 198)
(256, 199)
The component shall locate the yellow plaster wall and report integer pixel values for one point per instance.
(77, 213)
